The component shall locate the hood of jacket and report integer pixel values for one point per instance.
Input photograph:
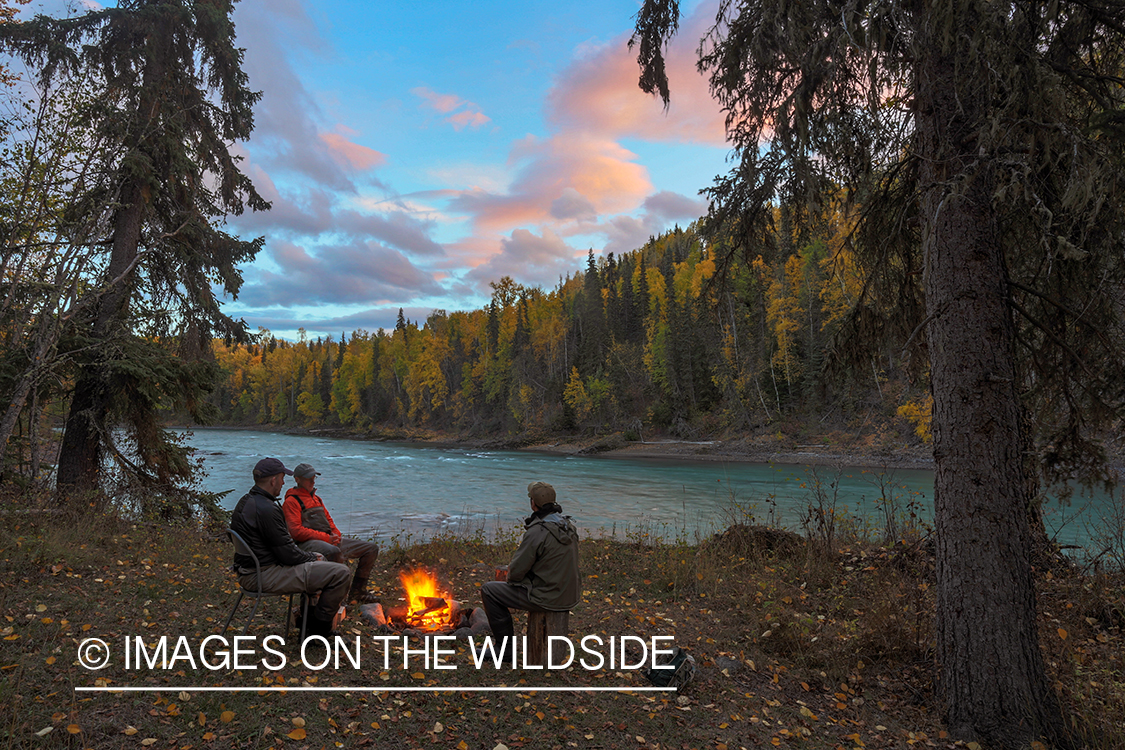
(557, 525)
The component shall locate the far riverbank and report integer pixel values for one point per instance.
(761, 449)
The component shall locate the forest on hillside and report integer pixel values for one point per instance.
(645, 342)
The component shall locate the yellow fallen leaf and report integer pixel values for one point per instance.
(202, 719)
(208, 736)
(41, 608)
(148, 741)
(50, 660)
(298, 721)
(1062, 633)
(297, 734)
(462, 745)
(129, 731)
(73, 728)
(226, 717)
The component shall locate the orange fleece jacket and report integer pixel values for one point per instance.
(292, 510)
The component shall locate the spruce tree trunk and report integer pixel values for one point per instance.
(992, 676)
(80, 456)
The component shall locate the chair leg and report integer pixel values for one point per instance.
(231, 615)
(304, 616)
(288, 617)
(257, 601)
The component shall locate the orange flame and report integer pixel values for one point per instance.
(420, 585)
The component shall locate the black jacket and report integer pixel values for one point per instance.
(258, 519)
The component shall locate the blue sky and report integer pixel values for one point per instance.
(414, 152)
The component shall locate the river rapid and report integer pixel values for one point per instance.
(380, 490)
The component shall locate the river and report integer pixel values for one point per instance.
(385, 489)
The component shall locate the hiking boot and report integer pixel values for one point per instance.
(362, 597)
(359, 593)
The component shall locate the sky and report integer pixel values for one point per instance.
(415, 152)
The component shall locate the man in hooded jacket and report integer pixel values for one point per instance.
(543, 575)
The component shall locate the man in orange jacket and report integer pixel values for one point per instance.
(313, 530)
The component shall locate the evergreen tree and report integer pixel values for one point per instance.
(985, 140)
(171, 98)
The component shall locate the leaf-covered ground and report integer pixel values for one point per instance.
(794, 650)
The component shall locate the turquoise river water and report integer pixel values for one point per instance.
(383, 489)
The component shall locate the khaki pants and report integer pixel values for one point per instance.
(329, 578)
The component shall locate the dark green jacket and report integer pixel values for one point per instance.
(546, 563)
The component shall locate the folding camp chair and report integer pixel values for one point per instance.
(242, 548)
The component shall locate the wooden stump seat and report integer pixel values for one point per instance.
(541, 625)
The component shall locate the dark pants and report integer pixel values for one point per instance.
(348, 549)
(499, 598)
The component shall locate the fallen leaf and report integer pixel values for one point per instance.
(129, 731)
(226, 717)
(1062, 633)
(438, 728)
(298, 721)
(73, 728)
(47, 730)
(297, 734)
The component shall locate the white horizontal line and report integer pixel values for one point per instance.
(369, 689)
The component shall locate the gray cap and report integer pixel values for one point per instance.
(268, 467)
(305, 471)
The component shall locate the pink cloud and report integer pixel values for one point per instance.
(469, 116)
(560, 173)
(537, 260)
(599, 93)
(349, 154)
(443, 103)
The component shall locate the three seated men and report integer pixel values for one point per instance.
(300, 550)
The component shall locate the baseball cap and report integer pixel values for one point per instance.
(305, 471)
(267, 467)
(541, 492)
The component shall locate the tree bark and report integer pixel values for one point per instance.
(80, 456)
(992, 677)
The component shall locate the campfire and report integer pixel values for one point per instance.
(429, 609)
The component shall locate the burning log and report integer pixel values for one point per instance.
(431, 604)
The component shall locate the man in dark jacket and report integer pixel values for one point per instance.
(286, 568)
(543, 575)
